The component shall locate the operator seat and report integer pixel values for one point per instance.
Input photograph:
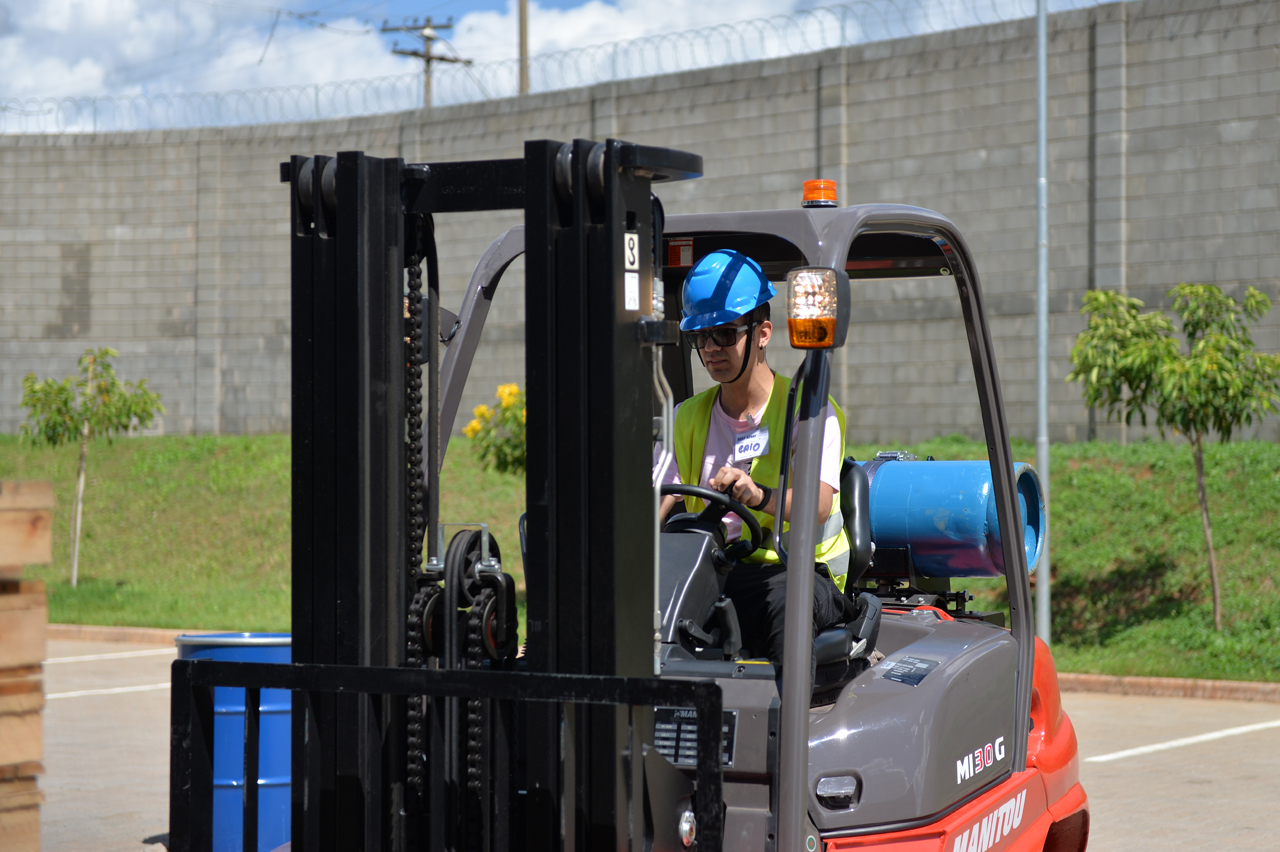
(835, 643)
(834, 646)
(855, 505)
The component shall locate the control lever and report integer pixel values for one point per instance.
(865, 626)
(690, 628)
(727, 618)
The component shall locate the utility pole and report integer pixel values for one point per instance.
(524, 47)
(428, 31)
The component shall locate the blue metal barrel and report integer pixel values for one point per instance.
(945, 512)
(228, 740)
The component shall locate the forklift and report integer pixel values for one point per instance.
(629, 716)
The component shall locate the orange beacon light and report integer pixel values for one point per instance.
(819, 193)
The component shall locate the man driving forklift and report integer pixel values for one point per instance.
(729, 438)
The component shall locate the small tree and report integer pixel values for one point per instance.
(95, 404)
(1131, 363)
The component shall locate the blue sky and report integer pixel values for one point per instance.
(67, 48)
(60, 48)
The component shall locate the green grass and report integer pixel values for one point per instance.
(193, 532)
(177, 532)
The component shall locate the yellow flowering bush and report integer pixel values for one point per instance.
(497, 434)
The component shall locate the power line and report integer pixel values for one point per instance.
(270, 35)
(466, 66)
(428, 32)
(308, 18)
(198, 57)
(278, 57)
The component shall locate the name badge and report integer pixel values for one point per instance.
(751, 445)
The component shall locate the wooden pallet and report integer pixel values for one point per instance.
(26, 525)
(20, 810)
(26, 521)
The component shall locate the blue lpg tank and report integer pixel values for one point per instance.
(945, 512)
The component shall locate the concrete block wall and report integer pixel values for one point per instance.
(173, 246)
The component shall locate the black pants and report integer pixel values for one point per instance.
(759, 594)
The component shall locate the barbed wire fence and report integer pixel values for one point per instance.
(804, 31)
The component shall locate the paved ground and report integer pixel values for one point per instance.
(106, 756)
(107, 771)
(1224, 793)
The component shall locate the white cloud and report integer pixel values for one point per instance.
(76, 48)
(487, 36)
(56, 48)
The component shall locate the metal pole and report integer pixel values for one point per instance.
(524, 47)
(797, 652)
(1042, 310)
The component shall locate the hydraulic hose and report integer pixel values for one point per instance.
(665, 458)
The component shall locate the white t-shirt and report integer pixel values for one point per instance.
(722, 439)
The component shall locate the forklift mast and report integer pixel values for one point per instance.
(366, 498)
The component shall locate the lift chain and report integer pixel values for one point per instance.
(416, 711)
(416, 521)
(413, 390)
(476, 653)
(415, 656)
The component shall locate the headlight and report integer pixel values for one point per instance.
(817, 307)
(838, 792)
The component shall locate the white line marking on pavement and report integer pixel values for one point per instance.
(1185, 741)
(114, 691)
(150, 652)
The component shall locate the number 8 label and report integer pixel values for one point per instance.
(631, 252)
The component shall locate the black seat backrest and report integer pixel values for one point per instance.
(524, 539)
(856, 508)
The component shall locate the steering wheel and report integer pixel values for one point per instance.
(720, 504)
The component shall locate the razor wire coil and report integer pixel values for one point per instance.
(803, 31)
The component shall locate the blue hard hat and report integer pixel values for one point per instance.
(721, 287)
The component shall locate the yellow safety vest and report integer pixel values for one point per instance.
(693, 420)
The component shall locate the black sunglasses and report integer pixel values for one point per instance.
(723, 336)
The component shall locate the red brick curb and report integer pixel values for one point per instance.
(93, 633)
(1170, 687)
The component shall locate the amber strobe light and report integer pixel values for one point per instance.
(819, 193)
(812, 308)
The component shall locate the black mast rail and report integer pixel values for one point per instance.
(463, 187)
(348, 476)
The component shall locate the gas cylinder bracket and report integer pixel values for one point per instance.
(656, 332)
